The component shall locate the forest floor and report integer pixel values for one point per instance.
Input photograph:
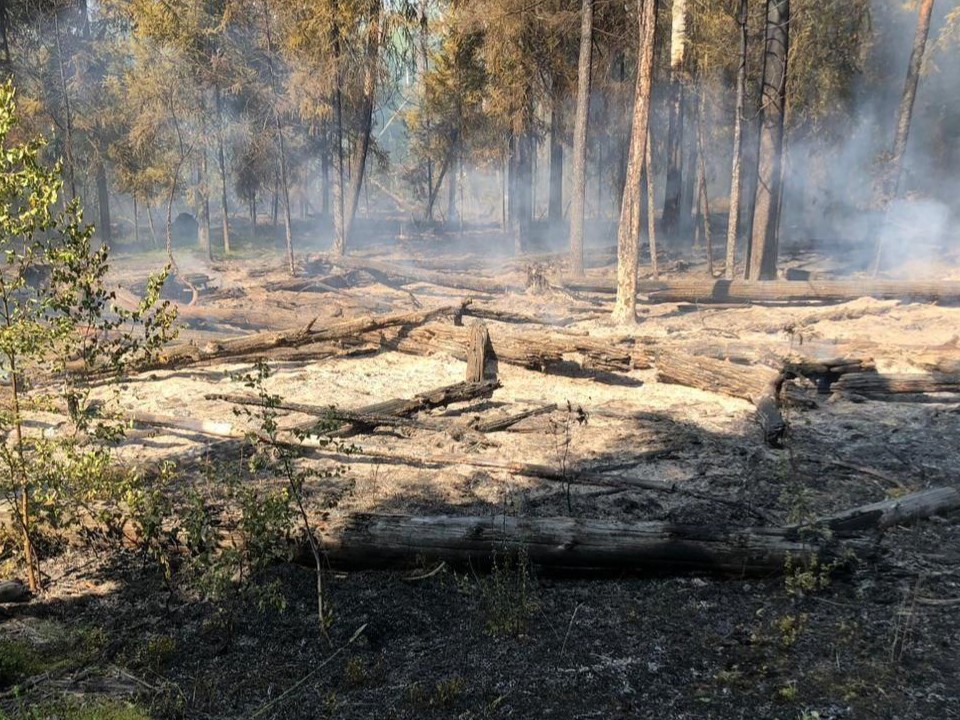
(880, 641)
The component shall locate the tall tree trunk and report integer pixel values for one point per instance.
(136, 222)
(153, 229)
(625, 310)
(203, 207)
(521, 190)
(584, 67)
(555, 199)
(103, 204)
(325, 174)
(733, 219)
(253, 214)
(4, 40)
(222, 167)
(422, 59)
(673, 190)
(285, 191)
(452, 178)
(362, 147)
(68, 119)
(651, 208)
(766, 218)
(890, 189)
(702, 182)
(435, 186)
(339, 231)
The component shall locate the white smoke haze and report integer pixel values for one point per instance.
(829, 181)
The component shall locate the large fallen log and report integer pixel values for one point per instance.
(533, 350)
(702, 290)
(758, 384)
(883, 384)
(185, 354)
(896, 511)
(412, 274)
(573, 544)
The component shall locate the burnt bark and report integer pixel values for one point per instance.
(762, 264)
(579, 190)
(625, 310)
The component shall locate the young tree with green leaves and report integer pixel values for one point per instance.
(54, 309)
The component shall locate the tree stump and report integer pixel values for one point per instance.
(481, 360)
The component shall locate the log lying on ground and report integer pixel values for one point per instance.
(883, 384)
(412, 274)
(897, 511)
(758, 384)
(535, 350)
(485, 313)
(13, 591)
(753, 291)
(571, 544)
(187, 354)
(501, 424)
(391, 412)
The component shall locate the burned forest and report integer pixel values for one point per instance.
(428, 359)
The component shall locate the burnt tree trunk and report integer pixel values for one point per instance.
(733, 219)
(362, 147)
(762, 264)
(584, 68)
(628, 240)
(673, 190)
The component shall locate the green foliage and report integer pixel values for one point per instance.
(57, 321)
(18, 660)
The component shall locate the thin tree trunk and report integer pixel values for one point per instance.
(625, 309)
(651, 209)
(452, 194)
(253, 215)
(733, 219)
(285, 189)
(555, 200)
(702, 171)
(222, 167)
(68, 119)
(435, 187)
(362, 147)
(325, 174)
(766, 218)
(103, 204)
(153, 229)
(136, 222)
(673, 189)
(584, 68)
(891, 188)
(203, 207)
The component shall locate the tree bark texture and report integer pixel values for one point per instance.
(766, 213)
(628, 240)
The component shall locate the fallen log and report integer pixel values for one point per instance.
(188, 354)
(504, 316)
(882, 384)
(699, 290)
(534, 350)
(501, 424)
(390, 413)
(412, 274)
(13, 591)
(251, 316)
(896, 511)
(758, 384)
(572, 544)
